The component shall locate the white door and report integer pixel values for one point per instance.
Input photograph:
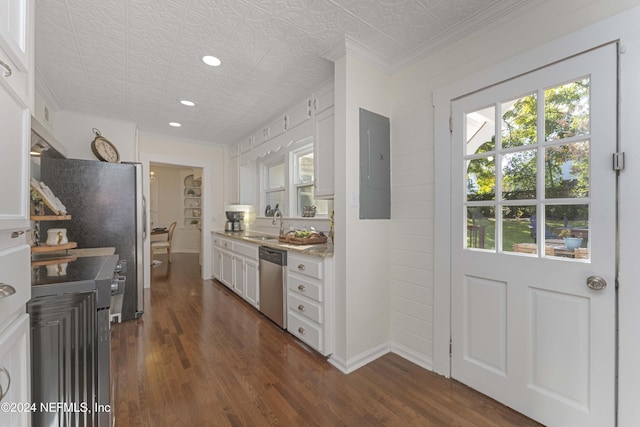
(532, 157)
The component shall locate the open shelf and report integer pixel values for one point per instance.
(53, 261)
(47, 248)
(50, 217)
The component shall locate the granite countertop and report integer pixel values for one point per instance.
(263, 239)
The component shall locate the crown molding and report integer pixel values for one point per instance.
(348, 45)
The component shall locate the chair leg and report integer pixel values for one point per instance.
(169, 253)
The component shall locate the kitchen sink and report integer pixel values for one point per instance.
(261, 237)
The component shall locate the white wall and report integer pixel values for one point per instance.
(74, 131)
(208, 156)
(416, 175)
(362, 246)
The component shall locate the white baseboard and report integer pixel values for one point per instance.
(412, 356)
(361, 359)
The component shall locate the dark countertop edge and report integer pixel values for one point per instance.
(320, 250)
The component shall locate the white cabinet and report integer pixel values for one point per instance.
(14, 371)
(298, 114)
(234, 180)
(274, 128)
(235, 264)
(323, 154)
(16, 103)
(323, 98)
(310, 300)
(251, 282)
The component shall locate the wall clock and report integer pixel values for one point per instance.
(103, 149)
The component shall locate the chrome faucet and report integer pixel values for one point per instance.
(277, 214)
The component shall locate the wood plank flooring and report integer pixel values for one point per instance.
(201, 356)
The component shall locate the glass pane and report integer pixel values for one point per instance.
(481, 179)
(276, 198)
(304, 172)
(276, 176)
(481, 225)
(481, 131)
(518, 229)
(519, 122)
(566, 110)
(567, 170)
(305, 197)
(567, 231)
(519, 175)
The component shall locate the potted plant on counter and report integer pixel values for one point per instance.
(570, 241)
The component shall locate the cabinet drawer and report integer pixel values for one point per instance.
(14, 271)
(304, 307)
(305, 286)
(306, 331)
(227, 244)
(249, 251)
(305, 265)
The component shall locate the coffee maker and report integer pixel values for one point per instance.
(235, 221)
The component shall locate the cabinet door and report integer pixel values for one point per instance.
(299, 114)
(323, 98)
(251, 283)
(15, 278)
(16, 52)
(275, 128)
(227, 269)
(217, 263)
(14, 371)
(234, 180)
(14, 162)
(238, 275)
(323, 147)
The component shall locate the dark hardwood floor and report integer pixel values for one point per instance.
(201, 356)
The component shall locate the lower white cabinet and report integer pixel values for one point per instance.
(309, 297)
(14, 373)
(235, 264)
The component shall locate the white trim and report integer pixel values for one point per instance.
(360, 360)
(207, 206)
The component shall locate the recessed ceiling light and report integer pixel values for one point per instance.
(187, 102)
(175, 124)
(211, 60)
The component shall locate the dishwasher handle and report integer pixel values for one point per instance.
(275, 256)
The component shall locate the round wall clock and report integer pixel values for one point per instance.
(103, 149)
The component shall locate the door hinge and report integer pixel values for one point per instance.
(618, 161)
(450, 348)
(450, 124)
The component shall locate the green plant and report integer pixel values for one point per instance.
(565, 233)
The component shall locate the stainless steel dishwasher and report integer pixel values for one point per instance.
(273, 285)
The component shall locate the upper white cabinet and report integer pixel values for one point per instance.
(234, 179)
(323, 151)
(298, 114)
(16, 48)
(323, 98)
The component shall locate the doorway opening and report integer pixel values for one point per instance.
(175, 196)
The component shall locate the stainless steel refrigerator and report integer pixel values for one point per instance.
(107, 208)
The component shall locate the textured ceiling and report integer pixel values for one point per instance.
(134, 59)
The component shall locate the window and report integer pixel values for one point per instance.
(303, 182)
(275, 189)
(287, 181)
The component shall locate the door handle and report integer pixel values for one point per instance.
(596, 283)
(6, 290)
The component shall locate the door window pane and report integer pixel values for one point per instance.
(481, 179)
(519, 122)
(481, 131)
(481, 221)
(519, 229)
(567, 170)
(568, 228)
(566, 110)
(519, 174)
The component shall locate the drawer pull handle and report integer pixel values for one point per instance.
(301, 330)
(302, 267)
(4, 391)
(6, 290)
(301, 288)
(16, 234)
(302, 308)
